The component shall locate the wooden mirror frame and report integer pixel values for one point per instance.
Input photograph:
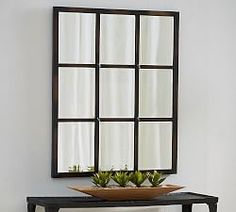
(97, 66)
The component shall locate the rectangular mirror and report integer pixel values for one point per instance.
(117, 39)
(116, 146)
(76, 92)
(115, 91)
(156, 93)
(156, 40)
(76, 37)
(75, 147)
(155, 145)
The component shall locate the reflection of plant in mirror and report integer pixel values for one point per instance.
(74, 168)
(101, 179)
(137, 178)
(121, 178)
(155, 178)
(90, 168)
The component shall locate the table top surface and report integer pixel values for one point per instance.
(88, 202)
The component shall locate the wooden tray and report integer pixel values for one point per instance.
(126, 193)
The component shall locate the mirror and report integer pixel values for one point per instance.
(76, 92)
(155, 145)
(115, 89)
(117, 39)
(75, 146)
(116, 144)
(76, 38)
(116, 93)
(156, 40)
(156, 93)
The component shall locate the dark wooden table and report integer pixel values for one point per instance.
(186, 199)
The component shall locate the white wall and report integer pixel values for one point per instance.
(207, 101)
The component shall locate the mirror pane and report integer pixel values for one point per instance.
(76, 37)
(156, 40)
(156, 93)
(117, 93)
(117, 40)
(76, 93)
(155, 145)
(75, 146)
(116, 146)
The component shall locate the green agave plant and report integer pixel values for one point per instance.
(121, 178)
(155, 178)
(101, 179)
(138, 178)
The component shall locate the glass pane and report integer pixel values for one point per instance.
(156, 40)
(117, 39)
(76, 37)
(75, 147)
(116, 146)
(156, 93)
(117, 93)
(76, 93)
(155, 145)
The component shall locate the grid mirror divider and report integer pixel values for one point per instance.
(97, 66)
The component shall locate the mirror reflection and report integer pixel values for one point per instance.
(156, 40)
(116, 146)
(76, 93)
(76, 37)
(75, 147)
(156, 93)
(117, 93)
(117, 39)
(155, 145)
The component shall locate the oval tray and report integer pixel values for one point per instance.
(126, 193)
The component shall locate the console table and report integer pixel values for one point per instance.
(186, 199)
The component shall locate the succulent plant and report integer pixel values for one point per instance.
(138, 178)
(155, 178)
(121, 178)
(101, 179)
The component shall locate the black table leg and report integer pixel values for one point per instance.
(51, 209)
(31, 207)
(212, 207)
(187, 208)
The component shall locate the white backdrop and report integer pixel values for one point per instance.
(207, 99)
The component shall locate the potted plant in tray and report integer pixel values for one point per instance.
(138, 178)
(155, 178)
(121, 178)
(124, 191)
(101, 179)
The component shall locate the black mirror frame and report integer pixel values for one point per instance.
(97, 66)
